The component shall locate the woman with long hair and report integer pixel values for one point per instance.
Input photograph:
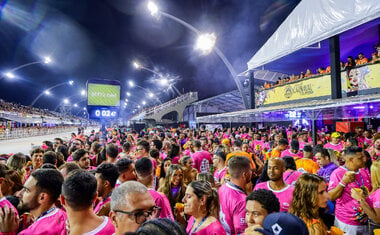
(371, 203)
(202, 203)
(174, 153)
(17, 162)
(308, 197)
(173, 187)
(189, 172)
(165, 164)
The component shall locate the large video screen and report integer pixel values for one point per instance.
(99, 94)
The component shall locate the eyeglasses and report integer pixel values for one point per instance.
(141, 216)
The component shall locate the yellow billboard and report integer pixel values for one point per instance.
(360, 78)
(304, 89)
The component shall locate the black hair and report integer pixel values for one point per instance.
(295, 145)
(353, 141)
(264, 173)
(49, 181)
(79, 189)
(221, 155)
(283, 142)
(173, 151)
(162, 172)
(144, 166)
(144, 144)
(324, 152)
(307, 148)
(123, 164)
(160, 226)
(63, 149)
(238, 143)
(50, 157)
(78, 154)
(112, 150)
(368, 164)
(109, 172)
(266, 198)
(154, 153)
(127, 146)
(49, 144)
(352, 150)
(158, 144)
(289, 163)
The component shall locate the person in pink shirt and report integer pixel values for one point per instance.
(276, 184)
(232, 196)
(293, 151)
(304, 139)
(219, 160)
(38, 196)
(257, 141)
(202, 203)
(106, 175)
(8, 207)
(349, 216)
(201, 159)
(82, 159)
(78, 196)
(371, 203)
(145, 175)
(291, 174)
(335, 143)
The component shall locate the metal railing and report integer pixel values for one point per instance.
(28, 132)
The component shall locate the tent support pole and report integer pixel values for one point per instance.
(336, 84)
(252, 97)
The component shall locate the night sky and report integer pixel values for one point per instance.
(100, 39)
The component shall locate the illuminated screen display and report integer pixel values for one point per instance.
(102, 113)
(103, 94)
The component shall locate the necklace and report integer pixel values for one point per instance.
(200, 223)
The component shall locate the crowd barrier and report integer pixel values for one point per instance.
(28, 132)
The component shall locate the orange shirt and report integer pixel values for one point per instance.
(243, 154)
(361, 61)
(275, 153)
(307, 165)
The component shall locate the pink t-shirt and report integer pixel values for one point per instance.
(302, 144)
(219, 175)
(99, 206)
(285, 195)
(290, 177)
(5, 202)
(162, 201)
(288, 153)
(232, 208)
(335, 147)
(104, 228)
(53, 223)
(346, 206)
(257, 142)
(202, 161)
(374, 199)
(215, 228)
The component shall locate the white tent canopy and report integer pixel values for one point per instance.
(313, 21)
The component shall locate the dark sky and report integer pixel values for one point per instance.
(99, 39)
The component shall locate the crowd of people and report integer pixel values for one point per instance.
(350, 63)
(185, 181)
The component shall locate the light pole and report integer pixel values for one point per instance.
(150, 94)
(137, 65)
(10, 73)
(205, 42)
(47, 91)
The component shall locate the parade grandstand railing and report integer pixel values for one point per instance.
(165, 106)
(24, 132)
(362, 79)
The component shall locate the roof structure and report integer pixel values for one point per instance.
(367, 106)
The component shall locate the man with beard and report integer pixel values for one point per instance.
(232, 195)
(276, 184)
(106, 175)
(38, 196)
(126, 170)
(82, 159)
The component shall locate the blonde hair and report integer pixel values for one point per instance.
(375, 175)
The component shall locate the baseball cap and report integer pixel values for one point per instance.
(283, 223)
(335, 135)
